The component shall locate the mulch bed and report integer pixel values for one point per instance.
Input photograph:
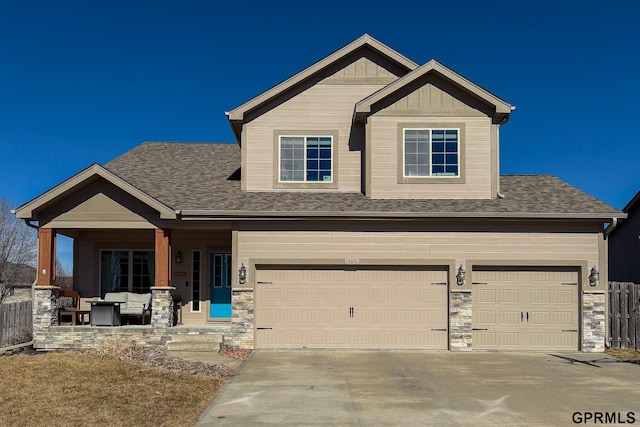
(235, 353)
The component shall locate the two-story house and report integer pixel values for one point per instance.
(362, 207)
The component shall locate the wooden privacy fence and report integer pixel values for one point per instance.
(15, 323)
(624, 315)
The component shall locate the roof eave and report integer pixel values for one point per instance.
(241, 214)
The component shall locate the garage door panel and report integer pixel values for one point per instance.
(509, 339)
(565, 318)
(485, 296)
(364, 308)
(539, 296)
(485, 318)
(509, 317)
(564, 296)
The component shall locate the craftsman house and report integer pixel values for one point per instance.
(361, 207)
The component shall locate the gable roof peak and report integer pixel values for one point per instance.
(237, 115)
(502, 109)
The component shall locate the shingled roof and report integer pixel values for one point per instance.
(204, 179)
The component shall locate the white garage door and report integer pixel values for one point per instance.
(367, 308)
(525, 310)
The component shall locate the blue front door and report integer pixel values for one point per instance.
(220, 283)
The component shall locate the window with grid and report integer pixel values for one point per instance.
(306, 158)
(126, 271)
(431, 153)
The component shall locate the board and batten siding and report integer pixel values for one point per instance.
(324, 107)
(476, 165)
(402, 246)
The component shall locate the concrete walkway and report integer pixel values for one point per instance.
(415, 388)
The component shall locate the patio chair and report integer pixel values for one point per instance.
(68, 305)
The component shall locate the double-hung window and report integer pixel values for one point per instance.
(431, 153)
(306, 159)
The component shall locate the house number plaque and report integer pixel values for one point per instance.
(351, 261)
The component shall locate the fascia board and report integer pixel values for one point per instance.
(26, 210)
(215, 214)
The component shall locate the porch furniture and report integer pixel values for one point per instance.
(105, 313)
(68, 305)
(84, 314)
(132, 304)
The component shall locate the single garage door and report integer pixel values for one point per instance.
(363, 308)
(525, 310)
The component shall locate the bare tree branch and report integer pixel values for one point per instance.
(18, 245)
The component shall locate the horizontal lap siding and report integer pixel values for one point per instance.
(320, 107)
(384, 160)
(418, 245)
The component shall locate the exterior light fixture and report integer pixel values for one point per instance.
(461, 276)
(242, 274)
(179, 258)
(594, 276)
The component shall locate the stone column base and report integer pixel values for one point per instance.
(45, 312)
(593, 323)
(460, 322)
(242, 319)
(162, 307)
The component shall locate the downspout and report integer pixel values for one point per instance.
(500, 195)
(611, 227)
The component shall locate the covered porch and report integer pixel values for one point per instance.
(129, 244)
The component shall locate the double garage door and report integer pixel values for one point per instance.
(407, 308)
(365, 308)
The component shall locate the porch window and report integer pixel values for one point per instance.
(126, 271)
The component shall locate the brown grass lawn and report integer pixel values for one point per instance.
(81, 389)
(624, 354)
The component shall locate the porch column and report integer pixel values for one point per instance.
(46, 257)
(163, 258)
(162, 298)
(45, 293)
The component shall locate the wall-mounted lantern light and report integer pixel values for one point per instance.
(179, 258)
(242, 274)
(594, 277)
(461, 276)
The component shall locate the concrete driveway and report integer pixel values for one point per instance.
(415, 388)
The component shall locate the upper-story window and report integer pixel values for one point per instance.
(306, 158)
(431, 153)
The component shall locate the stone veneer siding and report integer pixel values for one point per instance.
(460, 322)
(45, 312)
(242, 320)
(86, 337)
(593, 322)
(162, 307)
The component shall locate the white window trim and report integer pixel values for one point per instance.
(305, 136)
(430, 129)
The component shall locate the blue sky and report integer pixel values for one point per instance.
(85, 81)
